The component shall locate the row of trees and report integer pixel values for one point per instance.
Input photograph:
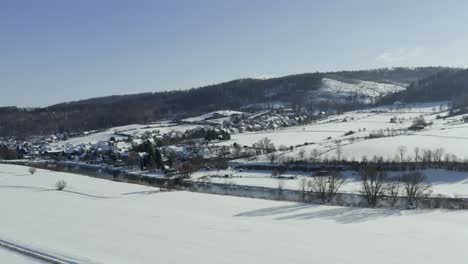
(213, 134)
(375, 186)
(403, 158)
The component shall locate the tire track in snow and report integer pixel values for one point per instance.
(40, 254)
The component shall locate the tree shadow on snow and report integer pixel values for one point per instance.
(142, 192)
(41, 189)
(342, 215)
(275, 210)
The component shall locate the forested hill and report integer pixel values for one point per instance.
(105, 112)
(449, 84)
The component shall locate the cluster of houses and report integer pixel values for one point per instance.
(122, 149)
(263, 120)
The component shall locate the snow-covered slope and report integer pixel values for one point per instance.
(357, 90)
(11, 257)
(211, 115)
(108, 222)
(388, 123)
(121, 133)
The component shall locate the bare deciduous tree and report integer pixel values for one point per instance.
(283, 148)
(437, 154)
(427, 156)
(338, 150)
(301, 154)
(32, 170)
(415, 187)
(186, 169)
(60, 185)
(303, 186)
(264, 145)
(327, 186)
(272, 157)
(416, 154)
(393, 190)
(373, 184)
(314, 155)
(401, 153)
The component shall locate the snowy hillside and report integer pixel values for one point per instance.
(376, 131)
(213, 115)
(11, 257)
(358, 90)
(121, 133)
(97, 221)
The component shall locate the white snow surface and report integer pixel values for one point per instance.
(366, 90)
(220, 113)
(108, 222)
(449, 134)
(131, 130)
(10, 257)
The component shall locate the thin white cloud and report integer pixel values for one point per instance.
(401, 55)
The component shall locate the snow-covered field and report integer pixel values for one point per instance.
(449, 134)
(322, 135)
(101, 221)
(11, 257)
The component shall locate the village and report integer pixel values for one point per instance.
(159, 147)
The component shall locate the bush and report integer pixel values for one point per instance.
(418, 124)
(327, 186)
(32, 170)
(60, 185)
(373, 184)
(415, 188)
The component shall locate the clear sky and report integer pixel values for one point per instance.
(54, 51)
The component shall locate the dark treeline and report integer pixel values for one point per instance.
(449, 84)
(398, 74)
(105, 112)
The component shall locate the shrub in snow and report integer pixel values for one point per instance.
(327, 186)
(393, 190)
(373, 184)
(32, 170)
(60, 185)
(418, 124)
(415, 188)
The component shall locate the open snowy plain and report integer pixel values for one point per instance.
(11, 257)
(99, 221)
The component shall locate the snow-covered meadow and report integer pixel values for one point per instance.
(11, 257)
(121, 132)
(352, 130)
(99, 221)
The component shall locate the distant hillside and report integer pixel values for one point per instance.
(294, 90)
(449, 84)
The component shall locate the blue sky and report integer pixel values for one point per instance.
(54, 51)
